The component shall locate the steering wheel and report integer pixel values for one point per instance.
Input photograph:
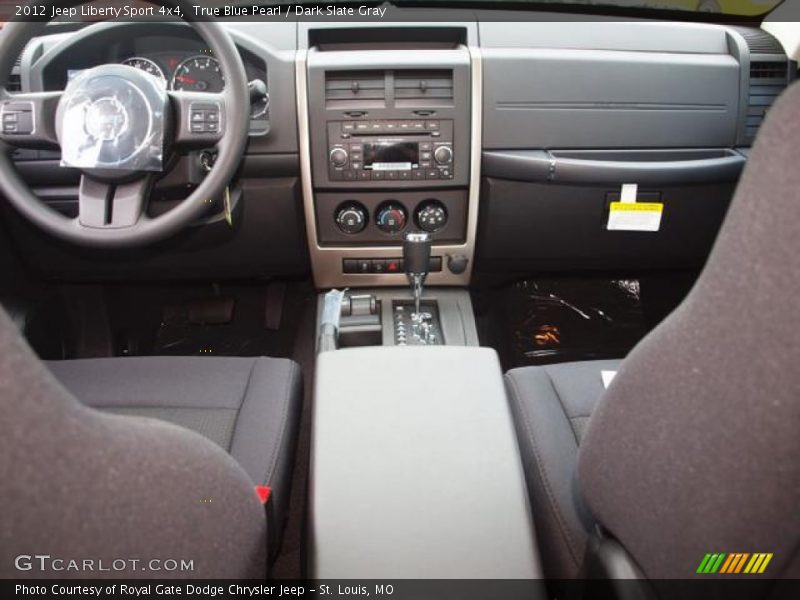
(112, 201)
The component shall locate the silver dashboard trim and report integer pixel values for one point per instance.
(326, 261)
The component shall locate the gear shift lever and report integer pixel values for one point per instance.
(416, 256)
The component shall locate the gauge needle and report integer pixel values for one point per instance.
(185, 79)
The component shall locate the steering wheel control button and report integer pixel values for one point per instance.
(204, 118)
(351, 218)
(391, 217)
(431, 216)
(17, 118)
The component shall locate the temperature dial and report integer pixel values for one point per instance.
(431, 216)
(351, 217)
(391, 217)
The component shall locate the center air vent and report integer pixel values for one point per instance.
(434, 84)
(768, 79)
(355, 88)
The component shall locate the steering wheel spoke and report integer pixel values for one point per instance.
(103, 205)
(200, 119)
(29, 120)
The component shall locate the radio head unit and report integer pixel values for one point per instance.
(361, 151)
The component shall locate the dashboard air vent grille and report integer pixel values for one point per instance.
(759, 41)
(355, 86)
(14, 83)
(435, 84)
(767, 82)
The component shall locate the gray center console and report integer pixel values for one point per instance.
(418, 479)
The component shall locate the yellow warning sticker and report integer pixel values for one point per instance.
(635, 216)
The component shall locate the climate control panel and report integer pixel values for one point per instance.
(381, 218)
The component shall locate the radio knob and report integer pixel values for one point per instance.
(443, 155)
(351, 217)
(338, 157)
(391, 218)
(432, 216)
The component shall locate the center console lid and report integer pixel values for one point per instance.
(415, 468)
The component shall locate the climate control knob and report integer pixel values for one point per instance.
(431, 216)
(443, 155)
(351, 217)
(338, 157)
(391, 217)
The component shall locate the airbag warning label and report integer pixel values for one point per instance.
(635, 216)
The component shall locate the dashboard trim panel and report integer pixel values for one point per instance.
(326, 261)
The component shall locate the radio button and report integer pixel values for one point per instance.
(405, 174)
(377, 176)
(443, 155)
(418, 174)
(392, 175)
(391, 126)
(432, 174)
(405, 125)
(362, 126)
(348, 127)
(363, 175)
(348, 175)
(338, 157)
(433, 125)
(418, 125)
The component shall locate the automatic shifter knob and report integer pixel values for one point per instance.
(417, 252)
(416, 256)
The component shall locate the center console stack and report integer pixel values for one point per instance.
(390, 145)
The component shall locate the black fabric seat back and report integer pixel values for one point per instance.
(695, 447)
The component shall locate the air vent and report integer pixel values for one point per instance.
(423, 85)
(759, 41)
(352, 88)
(768, 79)
(14, 83)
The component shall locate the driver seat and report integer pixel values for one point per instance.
(159, 459)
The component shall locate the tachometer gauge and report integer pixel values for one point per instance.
(148, 66)
(199, 74)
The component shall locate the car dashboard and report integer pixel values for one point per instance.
(508, 141)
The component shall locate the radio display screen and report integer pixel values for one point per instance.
(401, 156)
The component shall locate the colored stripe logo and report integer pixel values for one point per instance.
(734, 563)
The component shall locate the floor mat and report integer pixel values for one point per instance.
(191, 320)
(562, 320)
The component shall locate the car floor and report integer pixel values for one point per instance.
(531, 321)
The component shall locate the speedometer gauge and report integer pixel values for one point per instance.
(199, 74)
(148, 66)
